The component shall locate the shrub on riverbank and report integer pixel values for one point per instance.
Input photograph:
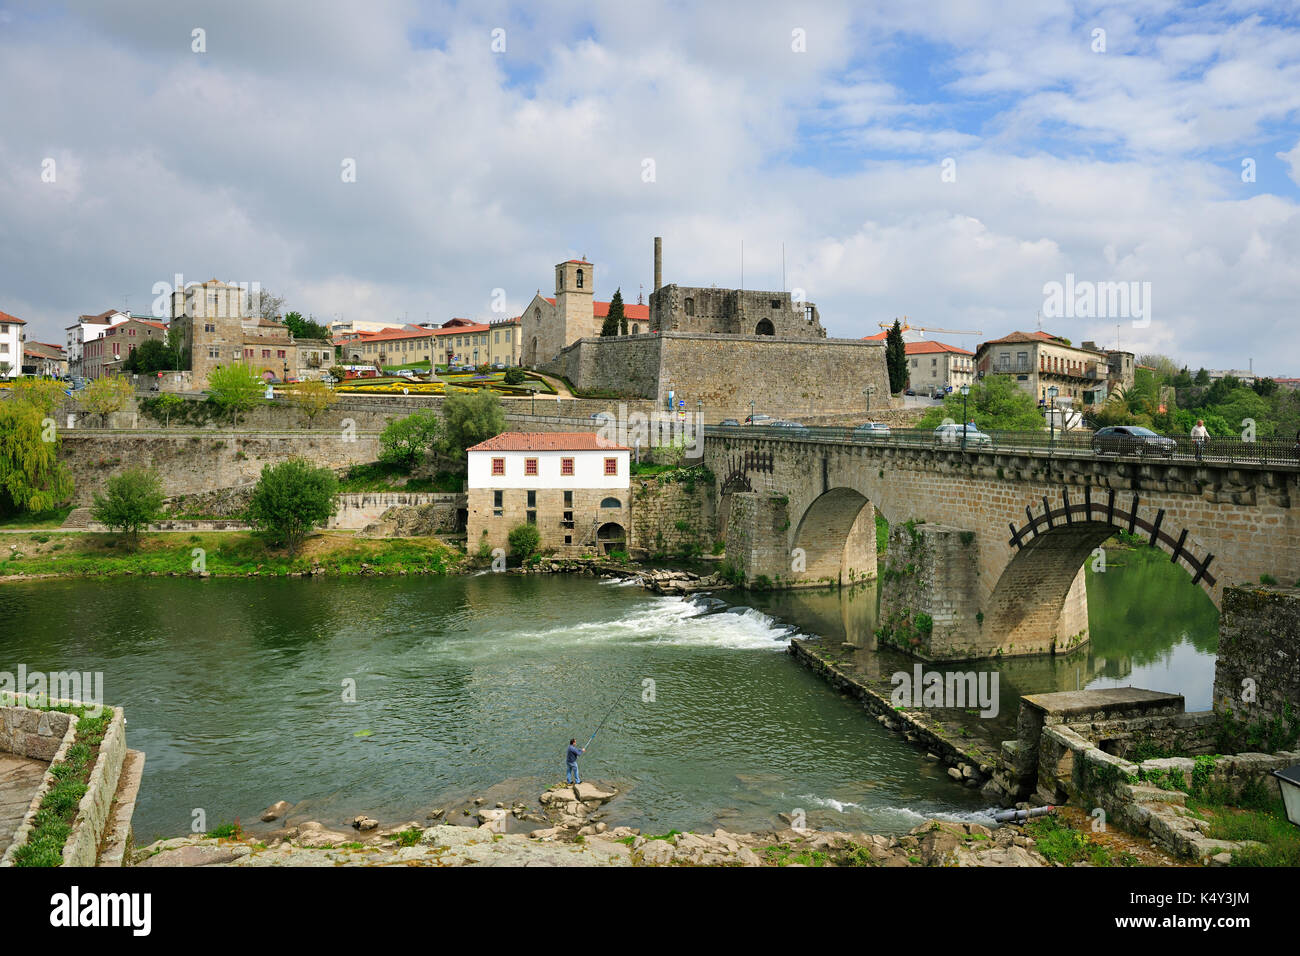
(292, 499)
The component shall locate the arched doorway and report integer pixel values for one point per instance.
(611, 537)
(765, 327)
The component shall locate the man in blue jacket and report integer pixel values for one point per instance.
(571, 762)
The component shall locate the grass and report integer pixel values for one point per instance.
(1061, 843)
(40, 519)
(783, 854)
(226, 831)
(53, 822)
(384, 477)
(225, 553)
(1255, 815)
(409, 837)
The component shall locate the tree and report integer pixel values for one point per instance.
(404, 441)
(471, 418)
(1202, 377)
(615, 321)
(1264, 387)
(43, 394)
(151, 356)
(312, 398)
(167, 404)
(995, 403)
(265, 305)
(523, 540)
(31, 476)
(338, 373)
(104, 396)
(305, 328)
(514, 376)
(176, 346)
(896, 358)
(132, 499)
(235, 389)
(1166, 368)
(291, 499)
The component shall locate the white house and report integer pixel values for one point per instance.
(87, 329)
(574, 486)
(11, 345)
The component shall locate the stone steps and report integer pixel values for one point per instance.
(78, 518)
(1144, 793)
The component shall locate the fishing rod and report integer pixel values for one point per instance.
(606, 717)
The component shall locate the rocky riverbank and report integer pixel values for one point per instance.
(576, 837)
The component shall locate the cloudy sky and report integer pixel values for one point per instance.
(944, 160)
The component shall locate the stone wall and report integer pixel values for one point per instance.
(782, 377)
(565, 529)
(357, 510)
(672, 517)
(1259, 656)
(196, 463)
(25, 732)
(928, 595)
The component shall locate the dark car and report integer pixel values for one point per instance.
(1132, 440)
(910, 391)
(795, 429)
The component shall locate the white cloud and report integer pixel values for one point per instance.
(477, 171)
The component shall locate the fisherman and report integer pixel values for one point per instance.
(571, 761)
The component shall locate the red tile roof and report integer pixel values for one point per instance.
(547, 441)
(12, 319)
(929, 346)
(1024, 337)
(601, 309)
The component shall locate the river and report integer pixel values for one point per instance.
(468, 685)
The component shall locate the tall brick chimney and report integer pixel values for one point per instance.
(659, 262)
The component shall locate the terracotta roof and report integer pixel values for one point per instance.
(579, 262)
(601, 309)
(1025, 337)
(547, 441)
(102, 318)
(929, 346)
(12, 319)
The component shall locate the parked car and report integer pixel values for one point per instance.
(759, 419)
(730, 422)
(909, 391)
(1132, 440)
(797, 429)
(951, 435)
(870, 430)
(499, 366)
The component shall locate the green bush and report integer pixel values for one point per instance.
(523, 540)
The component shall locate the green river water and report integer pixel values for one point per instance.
(472, 685)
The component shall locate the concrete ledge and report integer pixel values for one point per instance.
(115, 847)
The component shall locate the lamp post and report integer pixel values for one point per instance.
(285, 379)
(751, 411)
(867, 393)
(1052, 392)
(965, 390)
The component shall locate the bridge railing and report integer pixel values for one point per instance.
(1219, 451)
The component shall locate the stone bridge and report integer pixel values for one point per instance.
(987, 547)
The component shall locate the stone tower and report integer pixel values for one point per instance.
(574, 311)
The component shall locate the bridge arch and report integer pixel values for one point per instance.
(835, 540)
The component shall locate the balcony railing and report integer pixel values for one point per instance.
(1005, 368)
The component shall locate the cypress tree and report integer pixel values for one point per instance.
(615, 321)
(896, 358)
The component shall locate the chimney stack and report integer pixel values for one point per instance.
(659, 262)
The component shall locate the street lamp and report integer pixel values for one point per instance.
(868, 392)
(751, 411)
(1052, 392)
(965, 390)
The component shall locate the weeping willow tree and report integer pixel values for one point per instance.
(32, 478)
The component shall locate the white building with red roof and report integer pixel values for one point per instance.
(573, 486)
(11, 345)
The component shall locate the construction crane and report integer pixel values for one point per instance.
(904, 326)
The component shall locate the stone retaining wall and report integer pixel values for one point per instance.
(658, 510)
